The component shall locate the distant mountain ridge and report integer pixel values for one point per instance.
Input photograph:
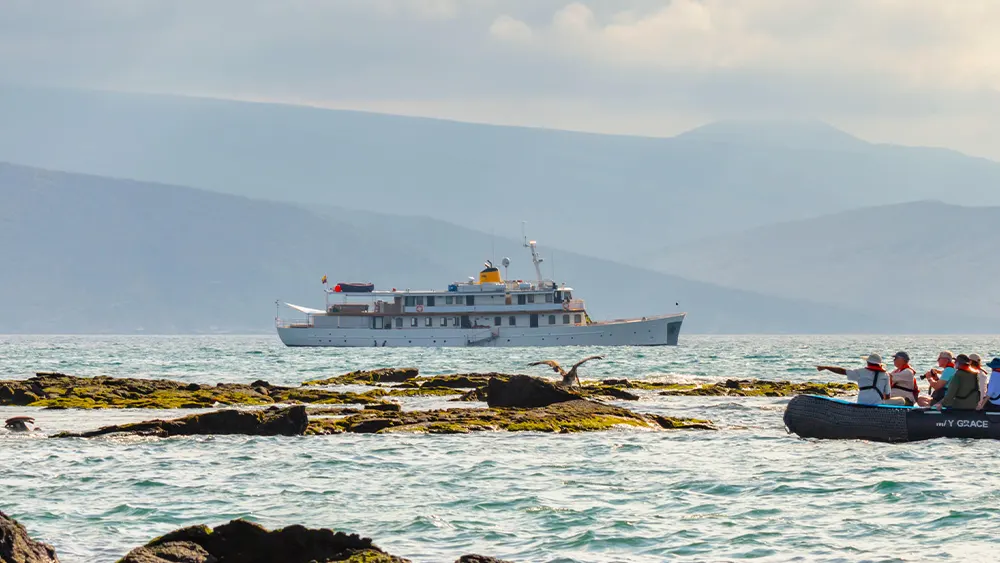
(96, 255)
(927, 256)
(602, 195)
(786, 134)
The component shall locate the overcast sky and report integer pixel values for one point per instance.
(908, 71)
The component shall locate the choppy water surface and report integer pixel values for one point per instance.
(749, 491)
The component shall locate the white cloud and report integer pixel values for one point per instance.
(912, 71)
(916, 42)
(509, 29)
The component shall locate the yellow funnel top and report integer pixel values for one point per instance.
(490, 275)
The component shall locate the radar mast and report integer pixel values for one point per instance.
(535, 259)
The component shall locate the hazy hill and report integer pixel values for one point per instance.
(90, 254)
(923, 256)
(611, 196)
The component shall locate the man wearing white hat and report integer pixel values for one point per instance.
(873, 382)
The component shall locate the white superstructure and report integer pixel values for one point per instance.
(487, 312)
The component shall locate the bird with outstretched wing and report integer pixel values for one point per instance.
(568, 377)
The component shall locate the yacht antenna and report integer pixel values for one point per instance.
(535, 259)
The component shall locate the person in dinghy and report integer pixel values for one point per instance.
(872, 380)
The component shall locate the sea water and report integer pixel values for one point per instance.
(747, 491)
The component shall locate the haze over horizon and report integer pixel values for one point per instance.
(690, 147)
(920, 73)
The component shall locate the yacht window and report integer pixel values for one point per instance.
(399, 322)
(520, 300)
(444, 321)
(454, 321)
(577, 319)
(449, 300)
(430, 322)
(552, 319)
(409, 302)
(531, 298)
(413, 321)
(565, 319)
(497, 321)
(387, 322)
(470, 300)
(512, 321)
(430, 301)
(568, 296)
(548, 298)
(420, 300)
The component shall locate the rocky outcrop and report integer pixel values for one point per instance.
(757, 388)
(526, 392)
(369, 377)
(17, 547)
(291, 421)
(241, 541)
(576, 415)
(56, 390)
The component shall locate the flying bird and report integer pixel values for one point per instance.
(568, 377)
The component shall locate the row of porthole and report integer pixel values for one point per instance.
(508, 340)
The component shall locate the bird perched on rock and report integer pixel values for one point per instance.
(568, 377)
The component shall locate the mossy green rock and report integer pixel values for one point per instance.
(760, 388)
(568, 416)
(56, 390)
(369, 377)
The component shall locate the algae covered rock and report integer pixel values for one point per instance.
(479, 559)
(17, 547)
(758, 388)
(241, 541)
(369, 377)
(576, 415)
(57, 390)
(291, 421)
(524, 391)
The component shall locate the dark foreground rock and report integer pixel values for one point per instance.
(290, 421)
(57, 390)
(17, 547)
(241, 541)
(524, 391)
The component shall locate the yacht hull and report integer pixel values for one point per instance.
(649, 331)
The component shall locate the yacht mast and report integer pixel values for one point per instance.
(535, 259)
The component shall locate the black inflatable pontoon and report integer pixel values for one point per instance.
(346, 287)
(811, 416)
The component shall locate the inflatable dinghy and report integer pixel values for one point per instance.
(345, 287)
(811, 416)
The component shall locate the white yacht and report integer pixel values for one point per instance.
(488, 312)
